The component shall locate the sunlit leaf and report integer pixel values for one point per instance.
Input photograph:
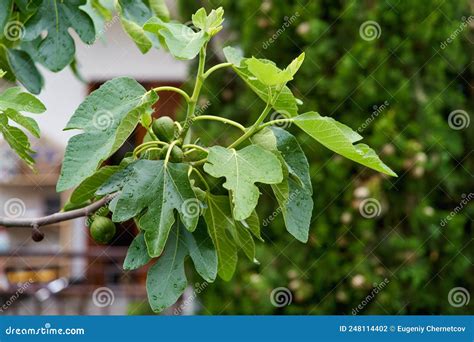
(340, 139)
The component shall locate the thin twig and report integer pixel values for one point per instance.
(56, 217)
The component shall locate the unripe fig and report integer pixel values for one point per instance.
(176, 155)
(102, 229)
(163, 128)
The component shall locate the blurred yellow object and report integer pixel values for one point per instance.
(16, 277)
(46, 275)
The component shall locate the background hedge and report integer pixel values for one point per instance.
(398, 91)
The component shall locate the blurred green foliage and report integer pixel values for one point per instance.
(398, 90)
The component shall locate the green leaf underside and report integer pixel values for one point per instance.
(134, 14)
(137, 255)
(202, 252)
(5, 11)
(12, 102)
(18, 141)
(107, 117)
(14, 98)
(285, 103)
(28, 123)
(242, 169)
(244, 240)
(181, 40)
(166, 280)
(86, 190)
(25, 70)
(98, 14)
(156, 190)
(160, 9)
(252, 223)
(294, 194)
(57, 49)
(220, 223)
(340, 139)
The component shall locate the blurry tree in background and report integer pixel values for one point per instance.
(402, 72)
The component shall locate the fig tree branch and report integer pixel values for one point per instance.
(56, 217)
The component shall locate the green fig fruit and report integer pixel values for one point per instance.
(163, 128)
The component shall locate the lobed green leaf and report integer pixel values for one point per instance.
(181, 40)
(285, 103)
(57, 49)
(155, 190)
(242, 169)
